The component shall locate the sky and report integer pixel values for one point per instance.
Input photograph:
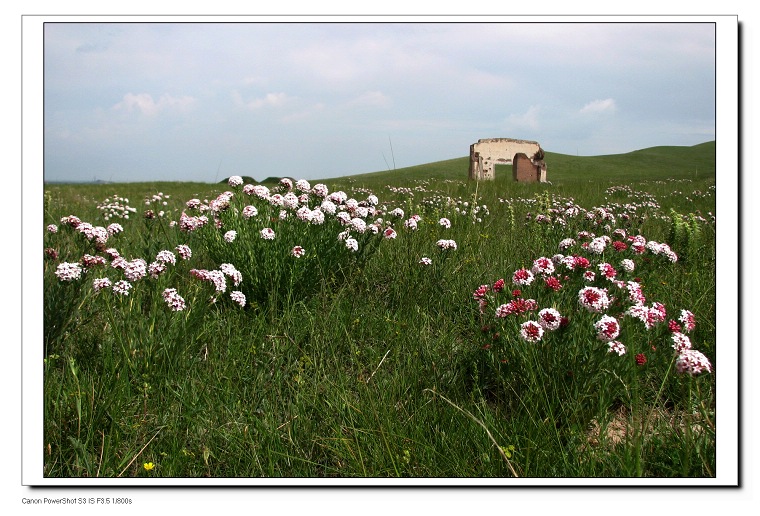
(187, 101)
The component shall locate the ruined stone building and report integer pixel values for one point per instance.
(489, 152)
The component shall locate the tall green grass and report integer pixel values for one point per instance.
(388, 369)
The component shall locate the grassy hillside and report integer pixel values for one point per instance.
(695, 162)
(434, 332)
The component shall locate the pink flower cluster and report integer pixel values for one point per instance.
(188, 223)
(692, 362)
(68, 271)
(238, 297)
(630, 301)
(607, 328)
(446, 244)
(594, 299)
(174, 300)
(522, 277)
(214, 276)
(516, 306)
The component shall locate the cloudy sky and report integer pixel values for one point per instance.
(203, 101)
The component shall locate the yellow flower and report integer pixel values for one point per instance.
(148, 466)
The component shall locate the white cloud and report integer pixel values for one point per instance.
(370, 99)
(528, 120)
(599, 106)
(304, 114)
(270, 99)
(144, 103)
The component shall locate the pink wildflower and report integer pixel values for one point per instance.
(389, 233)
(122, 287)
(304, 214)
(68, 271)
(543, 266)
(166, 257)
(155, 269)
(238, 297)
(71, 220)
(352, 244)
(692, 362)
(608, 271)
(267, 234)
(135, 269)
(114, 229)
(616, 347)
(504, 310)
(358, 224)
(184, 251)
(276, 199)
(320, 190)
(174, 300)
(298, 251)
(480, 292)
(317, 216)
(680, 342)
(230, 271)
(635, 294)
(499, 285)
(290, 200)
(607, 328)
(658, 312)
(597, 245)
(215, 277)
(553, 283)
(447, 244)
(260, 191)
(649, 316)
(410, 224)
(594, 299)
(549, 319)
(343, 217)
(89, 260)
(100, 283)
(522, 277)
(687, 319)
(575, 262)
(531, 331)
(250, 211)
(188, 224)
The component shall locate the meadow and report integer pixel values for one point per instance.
(399, 324)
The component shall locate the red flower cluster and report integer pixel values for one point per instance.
(516, 306)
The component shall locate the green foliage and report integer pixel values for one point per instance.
(372, 364)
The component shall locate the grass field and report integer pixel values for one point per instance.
(439, 328)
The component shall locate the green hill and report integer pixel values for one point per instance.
(694, 162)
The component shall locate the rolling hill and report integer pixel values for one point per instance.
(697, 161)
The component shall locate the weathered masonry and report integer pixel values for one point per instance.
(489, 152)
